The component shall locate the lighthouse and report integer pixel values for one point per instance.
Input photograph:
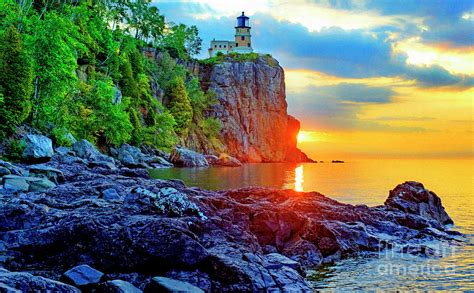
(242, 43)
(243, 38)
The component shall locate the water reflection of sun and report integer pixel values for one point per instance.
(299, 179)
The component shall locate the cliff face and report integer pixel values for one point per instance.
(252, 108)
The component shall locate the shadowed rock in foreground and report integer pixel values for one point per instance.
(239, 240)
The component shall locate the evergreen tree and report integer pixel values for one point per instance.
(179, 105)
(16, 80)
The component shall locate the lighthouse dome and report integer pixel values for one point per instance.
(243, 20)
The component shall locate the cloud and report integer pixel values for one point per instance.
(443, 21)
(358, 53)
(336, 107)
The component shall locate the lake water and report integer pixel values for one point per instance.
(368, 182)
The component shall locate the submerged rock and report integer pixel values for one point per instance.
(39, 148)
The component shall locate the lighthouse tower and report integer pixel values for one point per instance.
(243, 38)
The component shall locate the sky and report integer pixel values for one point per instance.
(366, 78)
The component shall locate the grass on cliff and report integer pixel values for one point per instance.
(236, 57)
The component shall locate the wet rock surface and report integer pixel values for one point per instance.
(132, 229)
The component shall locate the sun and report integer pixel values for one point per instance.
(304, 136)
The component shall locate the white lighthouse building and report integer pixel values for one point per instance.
(242, 43)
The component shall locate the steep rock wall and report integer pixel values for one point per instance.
(252, 108)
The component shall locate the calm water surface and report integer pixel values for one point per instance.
(368, 182)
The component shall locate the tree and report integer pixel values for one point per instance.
(145, 20)
(16, 79)
(55, 45)
(182, 41)
(179, 105)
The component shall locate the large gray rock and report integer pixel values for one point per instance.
(412, 197)
(25, 282)
(86, 150)
(117, 286)
(15, 183)
(20, 183)
(183, 157)
(38, 148)
(50, 173)
(131, 156)
(4, 171)
(82, 276)
(163, 284)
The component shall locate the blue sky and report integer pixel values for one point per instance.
(349, 62)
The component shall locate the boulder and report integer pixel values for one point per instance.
(49, 173)
(110, 194)
(163, 284)
(211, 159)
(131, 156)
(277, 261)
(4, 171)
(62, 151)
(39, 148)
(40, 184)
(86, 150)
(15, 183)
(228, 161)
(182, 157)
(102, 164)
(117, 286)
(24, 184)
(158, 162)
(412, 197)
(14, 170)
(25, 282)
(82, 276)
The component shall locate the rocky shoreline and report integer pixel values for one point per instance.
(86, 221)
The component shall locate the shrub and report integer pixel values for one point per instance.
(16, 81)
(179, 105)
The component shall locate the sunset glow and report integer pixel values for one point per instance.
(365, 78)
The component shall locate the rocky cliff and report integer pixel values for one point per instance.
(252, 108)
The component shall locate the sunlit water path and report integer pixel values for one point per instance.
(368, 182)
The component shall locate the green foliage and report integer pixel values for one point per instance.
(55, 61)
(211, 127)
(98, 118)
(14, 149)
(182, 41)
(179, 105)
(16, 80)
(61, 62)
(236, 57)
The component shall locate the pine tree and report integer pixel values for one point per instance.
(16, 81)
(179, 105)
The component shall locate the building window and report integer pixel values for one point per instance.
(225, 46)
(236, 44)
(215, 46)
(242, 38)
(220, 46)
